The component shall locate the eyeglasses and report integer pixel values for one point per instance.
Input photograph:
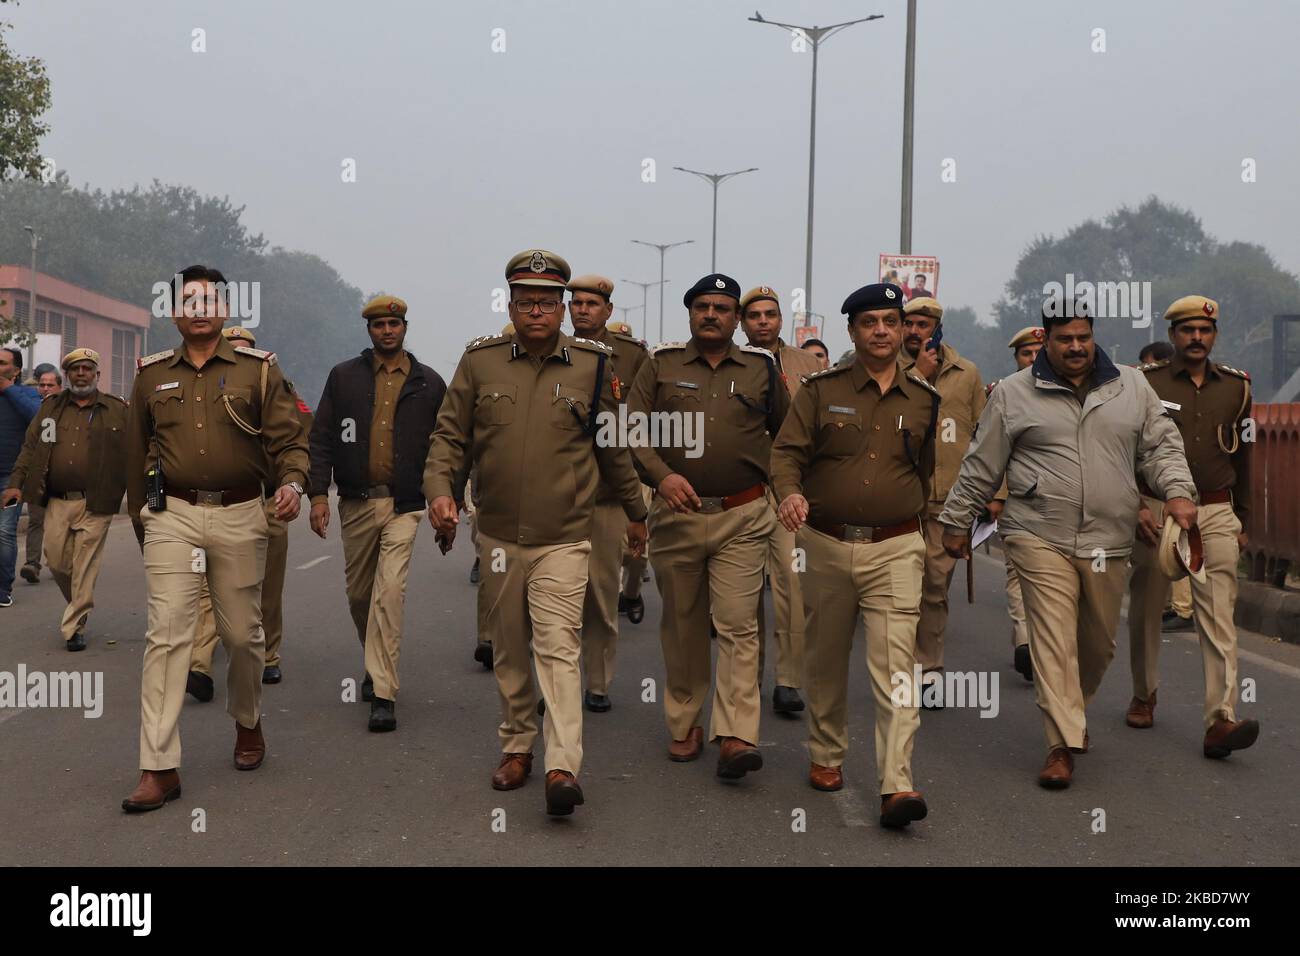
(546, 305)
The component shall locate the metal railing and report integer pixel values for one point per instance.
(1274, 543)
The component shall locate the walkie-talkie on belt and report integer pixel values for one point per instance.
(155, 487)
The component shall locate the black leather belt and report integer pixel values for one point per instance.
(235, 496)
(858, 532)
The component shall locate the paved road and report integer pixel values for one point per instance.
(332, 793)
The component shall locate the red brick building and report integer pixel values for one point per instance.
(85, 319)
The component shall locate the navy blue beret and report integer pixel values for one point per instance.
(879, 295)
(717, 284)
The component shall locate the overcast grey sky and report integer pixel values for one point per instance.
(466, 156)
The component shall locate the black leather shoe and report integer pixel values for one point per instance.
(1024, 663)
(368, 688)
(383, 715)
(77, 642)
(636, 609)
(199, 686)
(473, 573)
(786, 700)
(271, 674)
(31, 574)
(1175, 622)
(596, 703)
(483, 654)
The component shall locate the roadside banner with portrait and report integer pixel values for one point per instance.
(917, 276)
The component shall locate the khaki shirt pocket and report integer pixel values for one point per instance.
(238, 400)
(840, 435)
(678, 396)
(570, 408)
(495, 405)
(167, 409)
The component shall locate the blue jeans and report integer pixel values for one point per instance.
(8, 547)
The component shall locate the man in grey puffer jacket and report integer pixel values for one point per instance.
(1071, 433)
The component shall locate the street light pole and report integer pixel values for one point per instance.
(663, 248)
(909, 75)
(31, 309)
(814, 35)
(645, 295)
(715, 179)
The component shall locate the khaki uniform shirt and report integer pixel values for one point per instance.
(70, 456)
(528, 424)
(963, 398)
(734, 410)
(857, 456)
(200, 444)
(1210, 420)
(629, 356)
(388, 385)
(795, 365)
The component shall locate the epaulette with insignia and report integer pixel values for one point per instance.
(116, 398)
(760, 351)
(913, 377)
(483, 340)
(629, 339)
(827, 371)
(592, 344)
(262, 354)
(1151, 366)
(1234, 371)
(156, 357)
(666, 346)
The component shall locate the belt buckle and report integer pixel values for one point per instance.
(208, 497)
(858, 532)
(711, 506)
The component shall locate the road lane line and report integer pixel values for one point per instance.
(313, 562)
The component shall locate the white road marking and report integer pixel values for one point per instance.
(314, 561)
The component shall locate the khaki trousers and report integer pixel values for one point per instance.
(534, 594)
(277, 559)
(881, 581)
(787, 608)
(377, 546)
(1072, 606)
(704, 561)
(1015, 605)
(939, 566)
(634, 568)
(35, 535)
(181, 545)
(1213, 602)
(600, 606)
(74, 545)
(1180, 597)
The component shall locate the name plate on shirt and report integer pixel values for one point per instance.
(686, 385)
(841, 410)
(165, 386)
(1173, 406)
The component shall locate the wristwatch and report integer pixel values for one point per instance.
(296, 487)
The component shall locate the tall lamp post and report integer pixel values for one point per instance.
(716, 179)
(31, 309)
(816, 36)
(663, 247)
(645, 294)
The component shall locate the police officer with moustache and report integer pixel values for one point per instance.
(210, 424)
(711, 520)
(525, 408)
(1210, 404)
(590, 306)
(760, 320)
(852, 467)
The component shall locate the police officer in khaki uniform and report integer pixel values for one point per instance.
(590, 306)
(527, 409)
(852, 467)
(760, 320)
(371, 438)
(1025, 346)
(210, 424)
(958, 381)
(73, 461)
(711, 518)
(199, 683)
(1209, 403)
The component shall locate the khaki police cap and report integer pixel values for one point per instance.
(237, 333)
(596, 285)
(925, 306)
(1192, 307)
(80, 355)
(757, 294)
(620, 327)
(538, 267)
(1180, 552)
(384, 305)
(1029, 335)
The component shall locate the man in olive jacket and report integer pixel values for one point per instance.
(74, 463)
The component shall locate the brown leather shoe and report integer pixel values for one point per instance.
(250, 748)
(1141, 713)
(900, 809)
(1229, 735)
(737, 757)
(156, 787)
(689, 749)
(1058, 771)
(829, 779)
(513, 771)
(562, 793)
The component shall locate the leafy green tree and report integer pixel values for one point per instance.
(24, 99)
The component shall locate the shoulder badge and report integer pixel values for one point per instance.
(483, 340)
(593, 345)
(1152, 366)
(629, 339)
(918, 380)
(759, 351)
(666, 347)
(1234, 371)
(823, 373)
(262, 354)
(156, 357)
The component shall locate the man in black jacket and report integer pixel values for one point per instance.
(371, 436)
